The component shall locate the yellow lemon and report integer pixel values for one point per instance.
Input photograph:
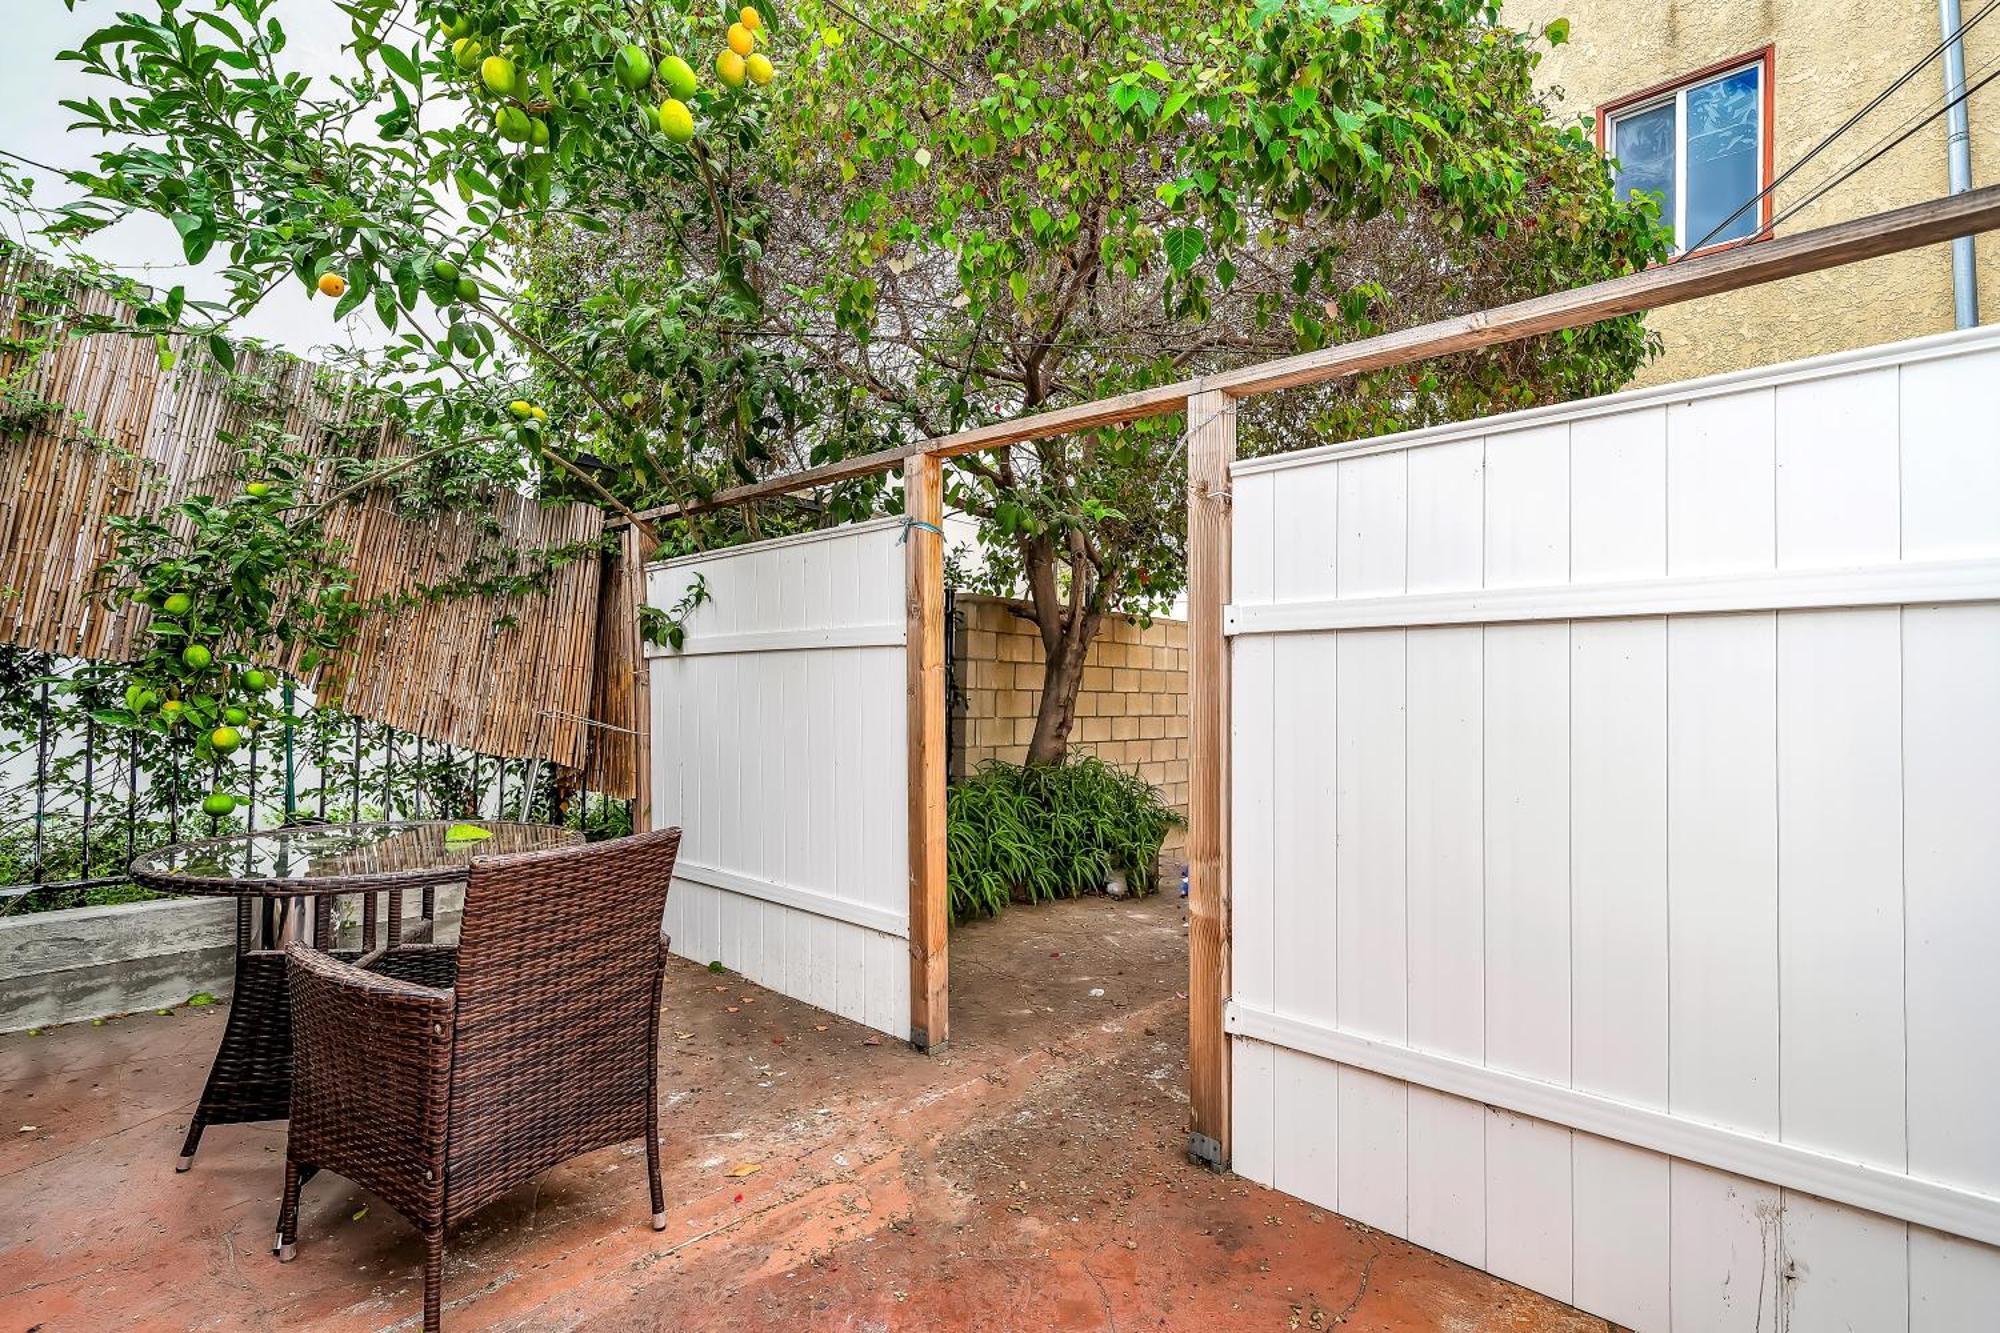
(332, 284)
(676, 121)
(729, 68)
(751, 18)
(759, 68)
(741, 39)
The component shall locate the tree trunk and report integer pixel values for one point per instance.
(1062, 676)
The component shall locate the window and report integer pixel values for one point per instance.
(1701, 146)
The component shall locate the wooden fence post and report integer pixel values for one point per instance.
(634, 561)
(1211, 435)
(930, 919)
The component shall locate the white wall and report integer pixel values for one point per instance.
(778, 747)
(1616, 842)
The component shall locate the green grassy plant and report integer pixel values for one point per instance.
(1049, 831)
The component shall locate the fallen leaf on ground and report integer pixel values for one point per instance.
(360, 1213)
(872, 1041)
(684, 1036)
(742, 1169)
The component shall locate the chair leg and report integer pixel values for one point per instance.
(191, 1142)
(653, 1177)
(433, 1280)
(288, 1213)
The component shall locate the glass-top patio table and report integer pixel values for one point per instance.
(285, 881)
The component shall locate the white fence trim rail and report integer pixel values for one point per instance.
(1615, 826)
(778, 747)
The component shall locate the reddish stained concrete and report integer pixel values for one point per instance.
(1032, 1177)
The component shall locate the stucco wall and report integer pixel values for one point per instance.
(1132, 710)
(1832, 56)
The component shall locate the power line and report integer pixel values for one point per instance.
(1894, 86)
(1883, 147)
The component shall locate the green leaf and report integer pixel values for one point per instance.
(1184, 247)
(223, 351)
(403, 67)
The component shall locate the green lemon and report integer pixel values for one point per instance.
(520, 409)
(235, 716)
(678, 75)
(178, 605)
(445, 271)
(195, 657)
(676, 121)
(500, 76)
(224, 739)
(171, 710)
(538, 133)
(467, 289)
(466, 53)
(511, 123)
(217, 804)
(257, 679)
(633, 66)
(257, 490)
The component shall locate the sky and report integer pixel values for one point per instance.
(32, 124)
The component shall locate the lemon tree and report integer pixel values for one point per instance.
(978, 211)
(406, 185)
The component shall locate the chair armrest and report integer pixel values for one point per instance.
(371, 1065)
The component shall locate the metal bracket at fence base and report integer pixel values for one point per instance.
(1205, 1151)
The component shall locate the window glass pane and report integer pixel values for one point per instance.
(1723, 154)
(1643, 143)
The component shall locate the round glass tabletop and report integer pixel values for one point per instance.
(339, 858)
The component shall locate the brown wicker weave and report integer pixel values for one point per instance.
(251, 1077)
(440, 1100)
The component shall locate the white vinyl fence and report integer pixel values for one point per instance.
(778, 747)
(1616, 842)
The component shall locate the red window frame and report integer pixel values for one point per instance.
(1766, 57)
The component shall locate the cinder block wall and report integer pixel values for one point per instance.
(1132, 710)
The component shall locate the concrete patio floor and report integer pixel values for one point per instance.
(1031, 1177)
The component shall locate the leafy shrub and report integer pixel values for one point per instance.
(1049, 831)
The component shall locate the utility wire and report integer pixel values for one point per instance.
(1894, 86)
(1884, 147)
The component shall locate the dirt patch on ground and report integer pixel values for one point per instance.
(1033, 1176)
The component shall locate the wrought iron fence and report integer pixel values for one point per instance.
(79, 798)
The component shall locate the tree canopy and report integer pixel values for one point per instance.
(657, 247)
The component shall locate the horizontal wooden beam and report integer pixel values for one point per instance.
(1742, 266)
(1733, 269)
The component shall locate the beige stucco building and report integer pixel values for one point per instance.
(1811, 64)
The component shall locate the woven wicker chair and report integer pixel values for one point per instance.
(440, 1100)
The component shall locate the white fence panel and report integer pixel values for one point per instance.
(778, 747)
(1616, 824)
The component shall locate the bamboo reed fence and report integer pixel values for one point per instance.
(508, 674)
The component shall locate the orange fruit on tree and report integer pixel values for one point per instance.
(332, 284)
(741, 40)
(729, 67)
(751, 18)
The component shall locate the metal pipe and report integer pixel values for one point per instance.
(1958, 155)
